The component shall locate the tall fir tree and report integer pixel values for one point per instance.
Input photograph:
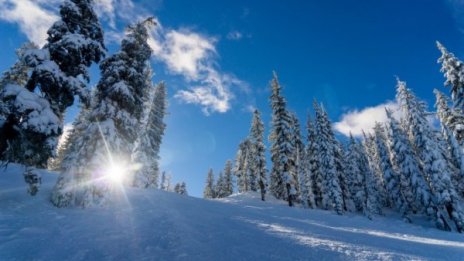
(312, 157)
(147, 146)
(257, 154)
(282, 184)
(208, 192)
(219, 188)
(374, 197)
(391, 178)
(108, 139)
(297, 166)
(331, 191)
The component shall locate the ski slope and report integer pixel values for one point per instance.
(158, 225)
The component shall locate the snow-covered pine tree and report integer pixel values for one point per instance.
(377, 170)
(181, 188)
(453, 70)
(413, 186)
(242, 169)
(297, 166)
(219, 187)
(208, 192)
(331, 191)
(113, 121)
(371, 204)
(374, 197)
(436, 169)
(228, 181)
(391, 178)
(258, 150)
(282, 184)
(60, 68)
(148, 143)
(28, 127)
(454, 150)
(314, 170)
(348, 204)
(354, 174)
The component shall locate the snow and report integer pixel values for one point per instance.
(157, 225)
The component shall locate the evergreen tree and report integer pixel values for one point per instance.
(60, 68)
(374, 197)
(354, 173)
(208, 192)
(282, 183)
(297, 166)
(242, 168)
(456, 155)
(370, 205)
(257, 154)
(340, 164)
(436, 169)
(112, 129)
(147, 146)
(412, 183)
(28, 127)
(331, 191)
(453, 70)
(164, 181)
(390, 176)
(314, 170)
(181, 188)
(304, 175)
(228, 185)
(219, 187)
(377, 171)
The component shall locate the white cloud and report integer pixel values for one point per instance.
(185, 53)
(33, 17)
(193, 56)
(234, 35)
(357, 121)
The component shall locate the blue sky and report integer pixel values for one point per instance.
(217, 59)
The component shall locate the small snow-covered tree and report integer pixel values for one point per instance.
(112, 130)
(374, 199)
(181, 188)
(228, 181)
(257, 154)
(282, 183)
(208, 192)
(219, 188)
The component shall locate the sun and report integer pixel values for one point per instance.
(116, 173)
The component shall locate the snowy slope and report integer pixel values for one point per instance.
(157, 225)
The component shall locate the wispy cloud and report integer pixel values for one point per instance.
(357, 121)
(33, 17)
(457, 9)
(189, 54)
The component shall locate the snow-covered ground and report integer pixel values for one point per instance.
(157, 225)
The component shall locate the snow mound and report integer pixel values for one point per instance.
(158, 225)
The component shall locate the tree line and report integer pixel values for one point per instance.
(406, 164)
